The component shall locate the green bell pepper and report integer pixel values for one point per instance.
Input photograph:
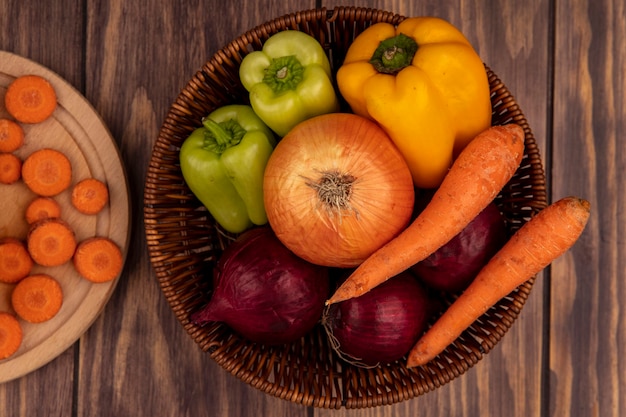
(289, 80)
(223, 163)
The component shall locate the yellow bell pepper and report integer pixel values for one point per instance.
(424, 83)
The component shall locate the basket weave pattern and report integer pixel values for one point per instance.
(184, 244)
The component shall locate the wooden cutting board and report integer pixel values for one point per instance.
(78, 131)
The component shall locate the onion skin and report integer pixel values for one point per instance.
(382, 325)
(453, 266)
(358, 154)
(264, 292)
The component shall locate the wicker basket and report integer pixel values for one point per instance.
(184, 244)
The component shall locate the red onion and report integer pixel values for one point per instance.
(453, 266)
(265, 292)
(381, 325)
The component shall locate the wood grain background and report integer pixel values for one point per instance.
(564, 62)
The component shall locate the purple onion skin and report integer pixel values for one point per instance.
(264, 292)
(382, 325)
(453, 266)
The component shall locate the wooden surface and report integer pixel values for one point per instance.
(76, 130)
(565, 64)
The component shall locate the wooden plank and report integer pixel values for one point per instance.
(48, 390)
(138, 360)
(513, 41)
(588, 375)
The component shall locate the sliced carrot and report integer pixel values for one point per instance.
(98, 259)
(474, 180)
(51, 242)
(10, 168)
(15, 261)
(11, 135)
(42, 208)
(534, 246)
(89, 196)
(47, 172)
(11, 335)
(37, 298)
(30, 99)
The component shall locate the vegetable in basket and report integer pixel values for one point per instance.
(425, 85)
(265, 292)
(380, 326)
(289, 80)
(223, 164)
(473, 182)
(544, 238)
(336, 189)
(454, 265)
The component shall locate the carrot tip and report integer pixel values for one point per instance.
(418, 357)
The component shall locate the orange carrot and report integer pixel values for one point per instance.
(90, 195)
(47, 172)
(11, 135)
(15, 261)
(51, 242)
(10, 335)
(30, 99)
(10, 168)
(534, 246)
(42, 208)
(473, 181)
(37, 298)
(98, 259)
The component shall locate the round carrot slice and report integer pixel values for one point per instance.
(51, 242)
(30, 99)
(11, 335)
(90, 195)
(37, 298)
(42, 208)
(98, 259)
(11, 135)
(10, 168)
(15, 261)
(47, 172)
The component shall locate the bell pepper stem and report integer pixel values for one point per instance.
(284, 73)
(393, 54)
(220, 136)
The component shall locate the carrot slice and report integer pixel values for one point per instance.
(10, 168)
(51, 242)
(42, 208)
(11, 135)
(98, 259)
(90, 195)
(15, 261)
(11, 335)
(37, 298)
(47, 172)
(30, 99)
